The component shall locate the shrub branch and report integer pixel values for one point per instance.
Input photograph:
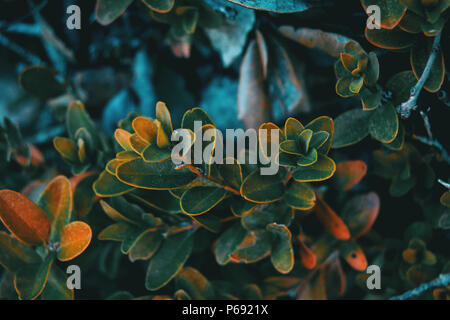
(442, 280)
(430, 140)
(411, 104)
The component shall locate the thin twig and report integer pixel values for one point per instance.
(442, 280)
(429, 140)
(445, 184)
(411, 104)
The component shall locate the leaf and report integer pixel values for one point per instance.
(31, 279)
(419, 56)
(195, 284)
(75, 238)
(56, 201)
(163, 115)
(262, 188)
(146, 245)
(109, 10)
(108, 185)
(161, 200)
(360, 213)
(230, 37)
(231, 173)
(274, 6)
(253, 101)
(445, 199)
(348, 174)
(383, 124)
(351, 127)
(282, 255)
(84, 196)
(331, 221)
(285, 89)
(169, 260)
(229, 242)
(56, 288)
(254, 248)
(395, 39)
(198, 200)
(161, 6)
(41, 82)
(145, 128)
(322, 169)
(353, 254)
(331, 43)
(400, 86)
(155, 175)
(292, 127)
(67, 148)
(76, 118)
(300, 196)
(14, 254)
(195, 114)
(391, 11)
(115, 232)
(25, 219)
(323, 123)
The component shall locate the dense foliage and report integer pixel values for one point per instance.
(86, 156)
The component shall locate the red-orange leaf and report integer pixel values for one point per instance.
(331, 221)
(23, 218)
(75, 238)
(349, 173)
(308, 258)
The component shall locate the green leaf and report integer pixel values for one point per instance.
(160, 200)
(300, 196)
(146, 245)
(195, 284)
(56, 201)
(231, 173)
(228, 243)
(56, 288)
(390, 39)
(108, 185)
(195, 114)
(419, 56)
(161, 6)
(84, 196)
(373, 69)
(323, 123)
(400, 86)
(115, 232)
(258, 248)
(76, 118)
(369, 99)
(391, 11)
(282, 255)
(152, 153)
(351, 127)
(262, 189)
(274, 6)
(41, 82)
(290, 147)
(322, 169)
(31, 279)
(14, 254)
(318, 139)
(383, 124)
(399, 140)
(155, 175)
(198, 200)
(343, 87)
(130, 239)
(240, 206)
(109, 10)
(169, 260)
(308, 159)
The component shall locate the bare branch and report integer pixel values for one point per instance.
(411, 104)
(442, 280)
